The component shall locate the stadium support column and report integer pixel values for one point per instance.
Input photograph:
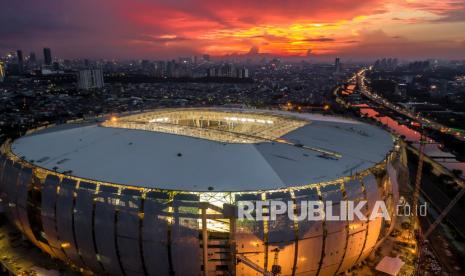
(232, 241)
(229, 212)
(204, 239)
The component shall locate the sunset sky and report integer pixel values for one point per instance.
(162, 29)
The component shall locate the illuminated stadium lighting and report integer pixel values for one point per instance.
(212, 124)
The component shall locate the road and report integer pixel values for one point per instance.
(361, 81)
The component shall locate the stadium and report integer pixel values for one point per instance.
(154, 192)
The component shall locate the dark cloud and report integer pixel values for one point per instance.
(319, 39)
(375, 44)
(24, 18)
(453, 16)
(447, 10)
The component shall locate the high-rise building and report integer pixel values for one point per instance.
(146, 66)
(47, 56)
(56, 66)
(212, 72)
(19, 55)
(337, 66)
(243, 73)
(2, 72)
(227, 70)
(159, 69)
(32, 58)
(90, 78)
(386, 64)
(171, 69)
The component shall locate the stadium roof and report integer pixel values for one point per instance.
(154, 159)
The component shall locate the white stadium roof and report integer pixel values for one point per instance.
(163, 160)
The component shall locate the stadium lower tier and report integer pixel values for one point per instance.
(120, 230)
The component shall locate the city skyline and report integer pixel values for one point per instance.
(154, 29)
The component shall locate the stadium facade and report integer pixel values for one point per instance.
(154, 192)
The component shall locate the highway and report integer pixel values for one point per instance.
(361, 81)
(432, 149)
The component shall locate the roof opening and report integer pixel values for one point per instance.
(216, 125)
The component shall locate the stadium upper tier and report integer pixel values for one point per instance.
(209, 149)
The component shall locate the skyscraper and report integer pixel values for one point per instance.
(90, 78)
(227, 70)
(159, 69)
(212, 72)
(337, 66)
(243, 73)
(32, 58)
(171, 69)
(19, 54)
(47, 56)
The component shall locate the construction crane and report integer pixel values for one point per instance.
(421, 159)
(246, 261)
(275, 268)
(416, 196)
(416, 193)
(444, 213)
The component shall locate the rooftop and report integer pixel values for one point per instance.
(310, 149)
